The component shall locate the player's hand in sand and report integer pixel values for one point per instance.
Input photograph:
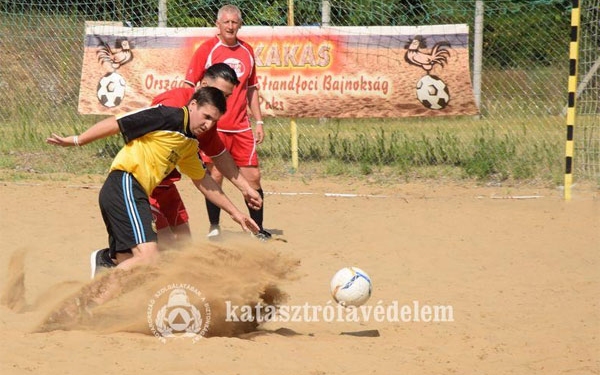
(247, 224)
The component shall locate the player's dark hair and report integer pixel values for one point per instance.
(211, 96)
(224, 71)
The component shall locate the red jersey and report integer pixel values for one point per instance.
(175, 97)
(241, 58)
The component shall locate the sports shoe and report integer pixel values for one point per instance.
(263, 235)
(97, 259)
(214, 232)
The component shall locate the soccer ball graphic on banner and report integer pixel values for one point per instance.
(111, 89)
(351, 286)
(432, 92)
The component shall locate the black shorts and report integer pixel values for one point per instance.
(126, 212)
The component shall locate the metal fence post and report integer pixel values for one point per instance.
(162, 13)
(325, 13)
(478, 52)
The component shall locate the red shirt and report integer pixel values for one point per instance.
(241, 58)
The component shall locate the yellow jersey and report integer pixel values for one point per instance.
(157, 139)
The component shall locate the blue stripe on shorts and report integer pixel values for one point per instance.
(132, 211)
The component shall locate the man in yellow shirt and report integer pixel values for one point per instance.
(158, 139)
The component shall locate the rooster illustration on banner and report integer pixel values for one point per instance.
(111, 87)
(431, 91)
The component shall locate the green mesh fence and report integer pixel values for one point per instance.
(587, 130)
(524, 76)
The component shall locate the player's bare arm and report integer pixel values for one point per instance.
(101, 129)
(226, 165)
(212, 191)
(254, 105)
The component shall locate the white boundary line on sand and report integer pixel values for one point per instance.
(517, 196)
(341, 195)
(306, 193)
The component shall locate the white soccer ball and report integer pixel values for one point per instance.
(432, 92)
(351, 286)
(111, 89)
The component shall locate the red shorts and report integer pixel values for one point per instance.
(241, 146)
(171, 178)
(168, 209)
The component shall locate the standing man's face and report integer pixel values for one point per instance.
(229, 25)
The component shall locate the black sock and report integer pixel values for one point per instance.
(257, 215)
(214, 212)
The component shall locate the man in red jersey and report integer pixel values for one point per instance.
(234, 128)
(168, 209)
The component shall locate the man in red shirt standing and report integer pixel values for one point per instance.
(167, 206)
(234, 127)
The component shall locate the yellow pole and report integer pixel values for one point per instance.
(572, 87)
(293, 126)
(294, 143)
